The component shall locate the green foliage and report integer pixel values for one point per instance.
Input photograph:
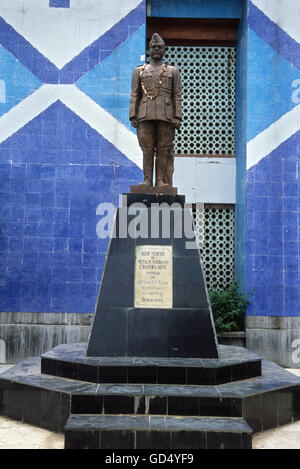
(228, 307)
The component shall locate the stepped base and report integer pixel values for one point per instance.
(265, 401)
(136, 432)
(70, 361)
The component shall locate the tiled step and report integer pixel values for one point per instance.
(70, 361)
(155, 400)
(44, 400)
(156, 432)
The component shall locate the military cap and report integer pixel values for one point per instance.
(156, 38)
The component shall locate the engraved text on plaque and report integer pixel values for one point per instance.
(153, 285)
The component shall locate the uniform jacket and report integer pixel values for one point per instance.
(167, 105)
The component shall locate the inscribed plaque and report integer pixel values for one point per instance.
(153, 285)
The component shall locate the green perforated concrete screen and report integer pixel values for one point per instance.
(208, 99)
(214, 228)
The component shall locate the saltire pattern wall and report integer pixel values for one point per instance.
(65, 144)
(273, 156)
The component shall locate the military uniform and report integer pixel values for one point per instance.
(167, 105)
(155, 107)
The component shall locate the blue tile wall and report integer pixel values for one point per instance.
(55, 169)
(272, 189)
(272, 88)
(82, 63)
(23, 83)
(113, 73)
(53, 174)
(273, 220)
(59, 3)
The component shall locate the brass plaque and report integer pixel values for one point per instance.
(153, 283)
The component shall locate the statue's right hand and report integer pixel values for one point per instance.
(133, 122)
(177, 123)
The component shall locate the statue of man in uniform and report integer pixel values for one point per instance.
(155, 109)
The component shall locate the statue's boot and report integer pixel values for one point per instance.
(148, 157)
(170, 168)
(161, 167)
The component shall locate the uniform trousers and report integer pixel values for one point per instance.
(157, 136)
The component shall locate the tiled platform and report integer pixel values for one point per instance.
(156, 432)
(18, 435)
(70, 361)
(140, 410)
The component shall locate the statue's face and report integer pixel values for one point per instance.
(157, 50)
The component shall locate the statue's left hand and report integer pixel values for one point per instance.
(133, 122)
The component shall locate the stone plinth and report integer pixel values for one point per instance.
(153, 299)
(146, 189)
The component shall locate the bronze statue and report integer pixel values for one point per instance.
(155, 109)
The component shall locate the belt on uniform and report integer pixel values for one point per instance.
(165, 94)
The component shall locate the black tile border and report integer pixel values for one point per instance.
(111, 432)
(45, 400)
(156, 439)
(38, 404)
(152, 374)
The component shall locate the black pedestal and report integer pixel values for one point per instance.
(183, 326)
